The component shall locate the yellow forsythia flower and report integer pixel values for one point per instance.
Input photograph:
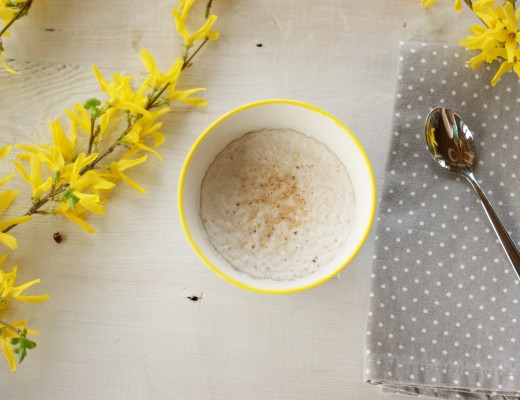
(7, 197)
(204, 32)
(75, 216)
(507, 66)
(55, 156)
(499, 39)
(118, 91)
(8, 291)
(457, 5)
(506, 30)
(156, 78)
(84, 188)
(34, 178)
(123, 97)
(116, 170)
(5, 341)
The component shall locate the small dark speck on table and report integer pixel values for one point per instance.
(259, 45)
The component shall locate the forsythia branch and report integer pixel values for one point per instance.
(73, 177)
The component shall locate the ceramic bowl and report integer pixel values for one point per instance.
(276, 114)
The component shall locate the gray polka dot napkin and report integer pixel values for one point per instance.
(444, 314)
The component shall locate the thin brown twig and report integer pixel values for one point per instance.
(208, 8)
(107, 152)
(92, 135)
(187, 61)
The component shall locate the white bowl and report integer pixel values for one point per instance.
(276, 114)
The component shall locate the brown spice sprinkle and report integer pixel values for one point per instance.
(277, 198)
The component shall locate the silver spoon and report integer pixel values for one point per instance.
(451, 144)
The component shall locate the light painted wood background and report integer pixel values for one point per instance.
(119, 324)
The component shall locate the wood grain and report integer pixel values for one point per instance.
(119, 324)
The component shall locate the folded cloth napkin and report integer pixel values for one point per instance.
(444, 312)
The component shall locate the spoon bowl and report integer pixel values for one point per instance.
(450, 141)
(452, 146)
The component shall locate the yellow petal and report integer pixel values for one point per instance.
(134, 135)
(5, 150)
(3, 257)
(158, 138)
(504, 67)
(30, 149)
(7, 197)
(61, 141)
(40, 189)
(86, 227)
(181, 28)
(102, 82)
(458, 5)
(22, 171)
(81, 161)
(90, 202)
(144, 147)
(104, 120)
(17, 291)
(35, 165)
(516, 68)
(125, 163)
(7, 67)
(6, 13)
(131, 183)
(212, 35)
(427, 3)
(14, 221)
(8, 240)
(94, 180)
(7, 349)
(202, 32)
(83, 123)
(185, 7)
(135, 108)
(511, 22)
(6, 178)
(182, 95)
(158, 113)
(148, 61)
(34, 299)
(173, 73)
(195, 101)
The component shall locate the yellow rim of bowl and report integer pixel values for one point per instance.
(208, 131)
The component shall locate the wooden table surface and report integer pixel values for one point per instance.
(119, 324)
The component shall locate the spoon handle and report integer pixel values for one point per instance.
(507, 243)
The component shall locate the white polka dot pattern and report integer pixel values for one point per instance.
(444, 316)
